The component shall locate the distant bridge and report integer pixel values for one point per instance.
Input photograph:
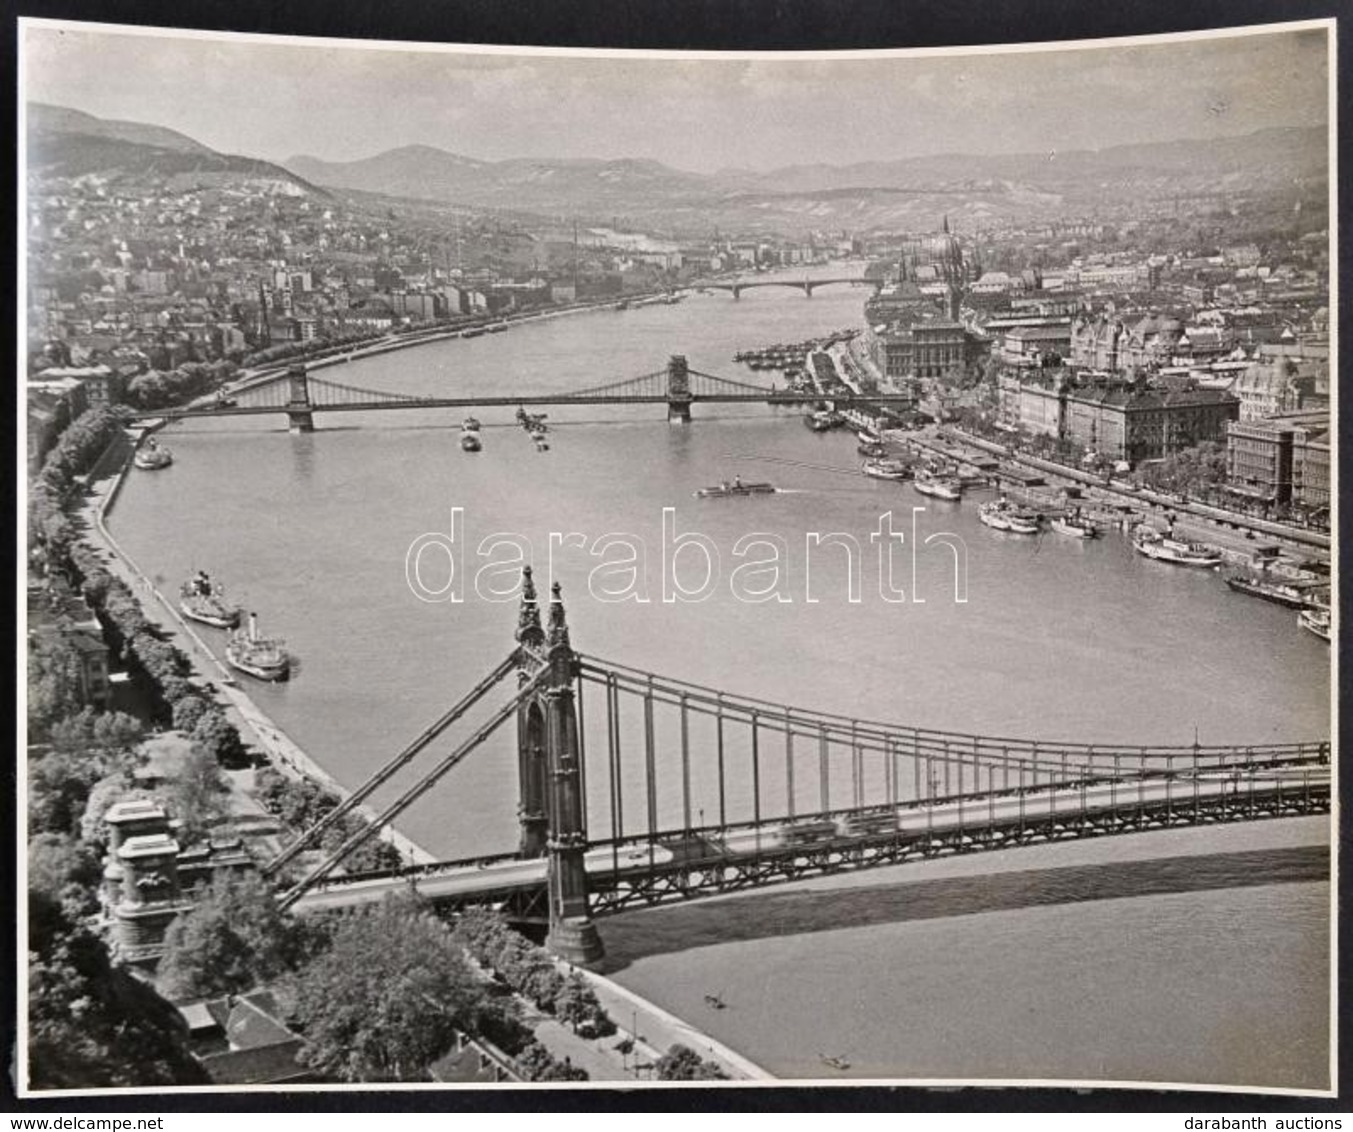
(827, 792)
(301, 396)
(807, 286)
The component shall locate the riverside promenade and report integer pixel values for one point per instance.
(103, 486)
(652, 1029)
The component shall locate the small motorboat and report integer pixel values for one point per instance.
(470, 442)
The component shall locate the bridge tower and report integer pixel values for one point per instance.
(299, 415)
(678, 390)
(553, 808)
(532, 764)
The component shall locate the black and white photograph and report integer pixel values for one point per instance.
(593, 569)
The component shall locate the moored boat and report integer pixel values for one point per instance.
(1165, 548)
(886, 469)
(1001, 515)
(1075, 524)
(151, 457)
(203, 600)
(1270, 589)
(818, 422)
(939, 486)
(1316, 621)
(724, 489)
(262, 657)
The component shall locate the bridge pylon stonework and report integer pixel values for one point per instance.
(678, 390)
(552, 809)
(300, 417)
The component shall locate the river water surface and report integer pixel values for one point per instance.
(1055, 640)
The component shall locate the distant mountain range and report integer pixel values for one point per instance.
(974, 188)
(70, 143)
(909, 193)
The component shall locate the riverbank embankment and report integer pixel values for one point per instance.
(102, 490)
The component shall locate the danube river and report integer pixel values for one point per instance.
(1055, 639)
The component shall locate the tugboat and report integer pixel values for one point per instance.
(724, 489)
(1075, 524)
(261, 657)
(928, 482)
(1165, 548)
(1316, 621)
(203, 600)
(151, 457)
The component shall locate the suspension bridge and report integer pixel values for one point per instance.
(300, 396)
(638, 789)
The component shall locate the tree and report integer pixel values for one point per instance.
(536, 1063)
(58, 789)
(53, 681)
(218, 736)
(104, 795)
(112, 737)
(90, 1025)
(198, 795)
(576, 1003)
(187, 711)
(385, 1000)
(64, 870)
(541, 983)
(232, 940)
(681, 1063)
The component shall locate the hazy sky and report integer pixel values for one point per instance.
(277, 98)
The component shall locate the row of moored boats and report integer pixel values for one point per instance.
(203, 600)
(947, 480)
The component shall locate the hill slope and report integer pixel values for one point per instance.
(70, 143)
(859, 196)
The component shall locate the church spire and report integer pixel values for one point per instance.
(946, 224)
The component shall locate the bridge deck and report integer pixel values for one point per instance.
(678, 865)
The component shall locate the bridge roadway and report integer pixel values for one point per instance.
(626, 865)
(786, 398)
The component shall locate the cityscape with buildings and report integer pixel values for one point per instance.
(254, 384)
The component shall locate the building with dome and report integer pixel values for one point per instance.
(914, 330)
